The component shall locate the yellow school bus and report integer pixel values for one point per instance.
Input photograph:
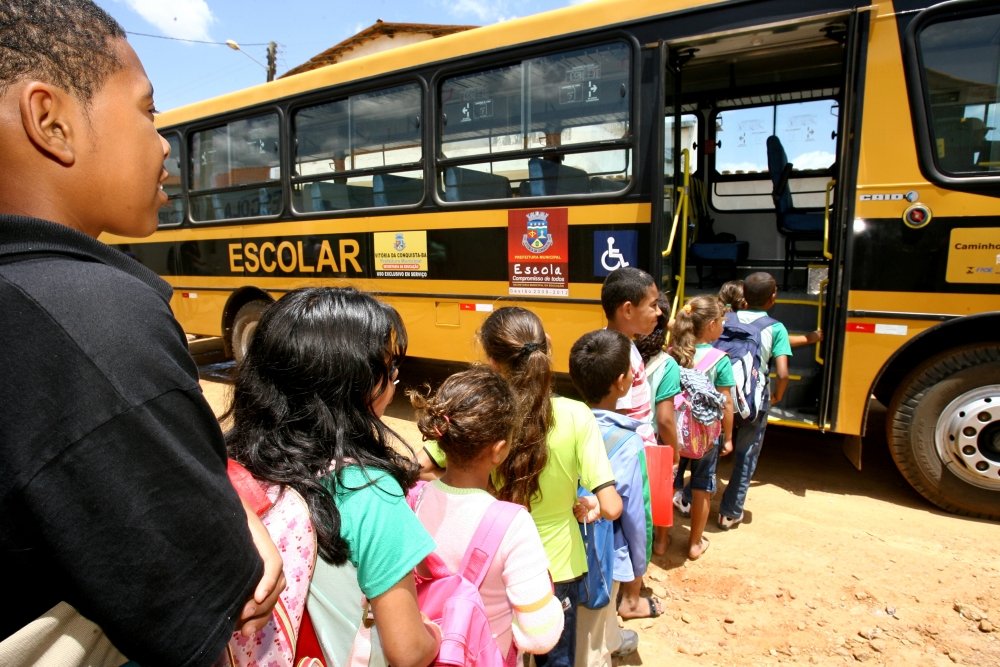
(850, 148)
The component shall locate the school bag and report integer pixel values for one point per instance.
(452, 599)
(698, 408)
(594, 590)
(288, 638)
(742, 344)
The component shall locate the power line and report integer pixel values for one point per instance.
(194, 41)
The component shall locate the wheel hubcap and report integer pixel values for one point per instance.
(968, 437)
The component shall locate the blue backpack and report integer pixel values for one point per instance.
(741, 343)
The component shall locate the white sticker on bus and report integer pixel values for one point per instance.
(891, 329)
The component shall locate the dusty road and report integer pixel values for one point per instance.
(831, 567)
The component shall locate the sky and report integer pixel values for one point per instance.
(181, 43)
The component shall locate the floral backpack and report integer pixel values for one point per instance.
(287, 640)
(698, 408)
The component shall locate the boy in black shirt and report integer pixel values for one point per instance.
(113, 489)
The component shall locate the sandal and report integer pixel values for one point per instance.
(655, 608)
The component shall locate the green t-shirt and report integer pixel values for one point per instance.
(576, 456)
(386, 540)
(664, 377)
(721, 374)
(773, 339)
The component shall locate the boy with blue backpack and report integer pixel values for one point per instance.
(752, 340)
(599, 365)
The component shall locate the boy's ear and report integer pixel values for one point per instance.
(45, 116)
(621, 387)
(625, 310)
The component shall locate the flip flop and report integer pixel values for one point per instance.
(655, 608)
(704, 544)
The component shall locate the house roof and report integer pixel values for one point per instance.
(378, 29)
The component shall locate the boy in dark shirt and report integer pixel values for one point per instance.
(113, 490)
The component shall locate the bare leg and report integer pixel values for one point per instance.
(701, 502)
(661, 540)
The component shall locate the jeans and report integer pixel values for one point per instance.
(563, 654)
(747, 443)
(702, 472)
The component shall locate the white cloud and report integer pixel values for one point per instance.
(482, 10)
(813, 160)
(182, 19)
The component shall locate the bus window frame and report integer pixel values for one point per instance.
(343, 92)
(517, 56)
(759, 176)
(918, 90)
(275, 108)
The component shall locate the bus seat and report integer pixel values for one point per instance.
(548, 177)
(328, 196)
(469, 185)
(393, 190)
(602, 184)
(794, 224)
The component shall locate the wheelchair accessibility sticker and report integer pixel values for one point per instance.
(614, 250)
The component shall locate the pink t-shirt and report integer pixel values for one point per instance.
(518, 575)
(637, 404)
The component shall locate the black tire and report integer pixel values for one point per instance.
(943, 429)
(244, 326)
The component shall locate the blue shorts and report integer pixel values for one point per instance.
(702, 471)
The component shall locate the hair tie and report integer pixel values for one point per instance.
(687, 308)
(529, 348)
(437, 431)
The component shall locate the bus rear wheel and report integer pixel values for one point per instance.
(944, 430)
(244, 326)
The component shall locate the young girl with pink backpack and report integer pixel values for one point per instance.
(697, 325)
(471, 418)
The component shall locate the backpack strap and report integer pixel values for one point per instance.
(761, 323)
(712, 357)
(486, 540)
(614, 437)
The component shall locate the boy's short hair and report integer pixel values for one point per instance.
(61, 42)
(625, 285)
(596, 360)
(758, 288)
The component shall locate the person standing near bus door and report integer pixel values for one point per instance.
(113, 490)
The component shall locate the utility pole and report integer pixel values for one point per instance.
(272, 60)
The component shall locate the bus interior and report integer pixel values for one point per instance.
(752, 139)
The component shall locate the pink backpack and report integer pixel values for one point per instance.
(285, 514)
(698, 408)
(452, 600)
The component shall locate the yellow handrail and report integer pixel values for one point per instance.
(826, 219)
(819, 319)
(682, 205)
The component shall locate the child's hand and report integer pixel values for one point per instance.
(587, 509)
(814, 336)
(727, 447)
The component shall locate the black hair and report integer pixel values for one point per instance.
(302, 400)
(470, 411)
(596, 360)
(651, 345)
(625, 285)
(62, 42)
(758, 288)
(514, 340)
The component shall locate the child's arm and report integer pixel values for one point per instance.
(408, 638)
(727, 419)
(811, 338)
(257, 611)
(611, 502)
(537, 614)
(666, 427)
(429, 469)
(781, 369)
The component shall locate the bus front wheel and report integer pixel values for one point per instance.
(244, 325)
(944, 430)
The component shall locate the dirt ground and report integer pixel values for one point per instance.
(831, 566)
